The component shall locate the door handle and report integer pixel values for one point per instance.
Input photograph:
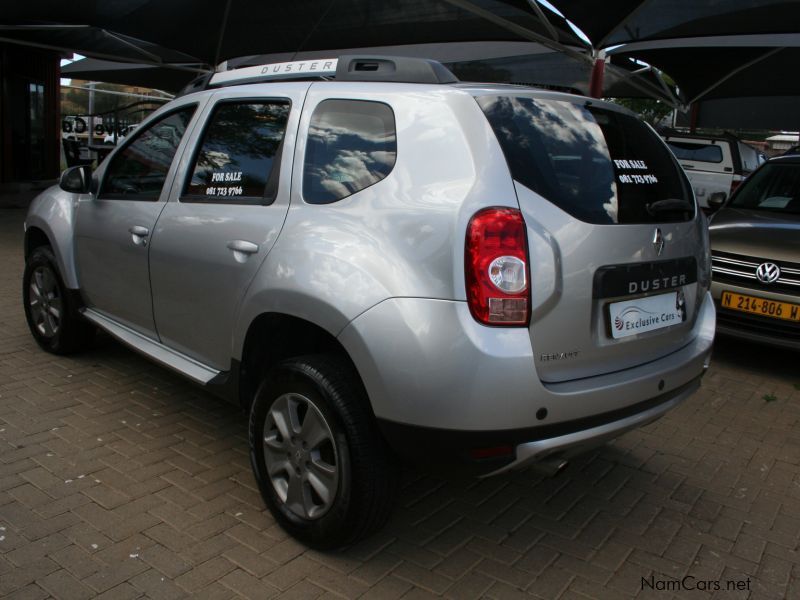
(242, 249)
(243, 246)
(139, 235)
(139, 230)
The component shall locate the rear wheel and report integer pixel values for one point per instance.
(50, 310)
(321, 466)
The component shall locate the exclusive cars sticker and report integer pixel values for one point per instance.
(645, 314)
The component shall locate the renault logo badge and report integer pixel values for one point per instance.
(768, 272)
(658, 242)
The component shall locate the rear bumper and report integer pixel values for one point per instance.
(571, 444)
(427, 364)
(528, 445)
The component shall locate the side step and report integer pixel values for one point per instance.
(167, 357)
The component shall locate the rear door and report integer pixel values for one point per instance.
(612, 231)
(228, 205)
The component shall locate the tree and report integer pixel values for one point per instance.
(652, 111)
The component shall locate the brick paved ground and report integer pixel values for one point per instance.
(120, 480)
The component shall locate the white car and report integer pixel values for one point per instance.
(715, 165)
(109, 138)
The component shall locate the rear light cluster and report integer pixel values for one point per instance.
(734, 184)
(496, 267)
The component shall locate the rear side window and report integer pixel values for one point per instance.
(352, 144)
(139, 170)
(238, 156)
(698, 152)
(750, 158)
(599, 165)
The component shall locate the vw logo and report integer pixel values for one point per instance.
(768, 272)
(658, 242)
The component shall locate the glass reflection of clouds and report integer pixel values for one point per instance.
(566, 151)
(351, 145)
(563, 139)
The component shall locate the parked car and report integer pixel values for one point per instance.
(389, 263)
(755, 245)
(125, 132)
(715, 165)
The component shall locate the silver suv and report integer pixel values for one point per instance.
(388, 263)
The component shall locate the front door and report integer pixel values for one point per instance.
(224, 215)
(113, 226)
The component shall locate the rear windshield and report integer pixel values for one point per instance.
(599, 165)
(775, 187)
(697, 152)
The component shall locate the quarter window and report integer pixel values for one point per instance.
(351, 145)
(139, 170)
(239, 154)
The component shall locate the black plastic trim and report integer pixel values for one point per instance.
(226, 384)
(451, 446)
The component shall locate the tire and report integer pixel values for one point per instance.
(50, 308)
(324, 396)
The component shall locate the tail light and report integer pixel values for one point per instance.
(496, 267)
(734, 184)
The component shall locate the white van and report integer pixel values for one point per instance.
(715, 165)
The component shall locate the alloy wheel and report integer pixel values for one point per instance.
(301, 456)
(45, 301)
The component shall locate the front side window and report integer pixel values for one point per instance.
(139, 170)
(352, 144)
(239, 154)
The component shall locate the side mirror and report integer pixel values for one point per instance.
(76, 179)
(715, 201)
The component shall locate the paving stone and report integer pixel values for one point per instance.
(118, 479)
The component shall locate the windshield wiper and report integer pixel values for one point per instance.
(668, 205)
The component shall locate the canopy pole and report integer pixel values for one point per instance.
(598, 75)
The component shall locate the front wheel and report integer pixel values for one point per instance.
(50, 310)
(321, 466)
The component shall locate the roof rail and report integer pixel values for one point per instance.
(392, 68)
(345, 68)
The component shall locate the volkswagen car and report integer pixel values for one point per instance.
(755, 247)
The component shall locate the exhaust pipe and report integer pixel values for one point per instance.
(550, 467)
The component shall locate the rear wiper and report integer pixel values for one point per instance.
(668, 205)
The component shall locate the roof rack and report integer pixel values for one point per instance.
(345, 68)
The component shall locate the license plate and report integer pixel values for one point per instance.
(645, 314)
(761, 306)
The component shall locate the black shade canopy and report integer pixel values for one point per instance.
(160, 78)
(556, 70)
(759, 112)
(623, 21)
(723, 67)
(210, 31)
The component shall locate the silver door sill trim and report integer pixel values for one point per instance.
(167, 357)
(573, 443)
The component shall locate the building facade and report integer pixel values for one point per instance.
(30, 133)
